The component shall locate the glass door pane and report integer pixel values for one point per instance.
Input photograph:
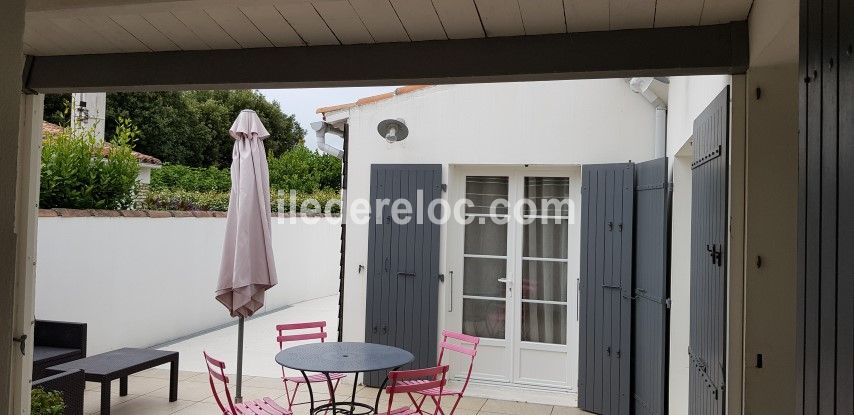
(545, 255)
(485, 257)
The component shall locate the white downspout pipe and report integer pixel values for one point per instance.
(660, 131)
(643, 86)
(320, 129)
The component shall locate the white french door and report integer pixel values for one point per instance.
(515, 274)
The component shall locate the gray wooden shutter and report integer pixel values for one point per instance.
(651, 281)
(403, 265)
(707, 344)
(607, 209)
(825, 347)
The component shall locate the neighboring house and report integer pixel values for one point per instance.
(513, 285)
(146, 163)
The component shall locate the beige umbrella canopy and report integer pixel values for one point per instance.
(247, 269)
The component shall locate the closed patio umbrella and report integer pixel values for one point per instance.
(247, 269)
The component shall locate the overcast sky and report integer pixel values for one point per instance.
(303, 102)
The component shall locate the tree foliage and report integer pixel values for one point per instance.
(188, 128)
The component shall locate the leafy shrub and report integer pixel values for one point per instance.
(78, 172)
(218, 201)
(178, 177)
(304, 170)
(297, 169)
(46, 402)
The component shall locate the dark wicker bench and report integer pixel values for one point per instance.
(56, 342)
(70, 384)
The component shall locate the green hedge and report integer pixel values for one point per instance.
(299, 169)
(218, 201)
(78, 172)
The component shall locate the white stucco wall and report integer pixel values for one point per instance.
(537, 123)
(144, 281)
(687, 98)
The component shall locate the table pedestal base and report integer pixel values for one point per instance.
(348, 408)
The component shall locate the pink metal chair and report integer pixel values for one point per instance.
(467, 345)
(264, 406)
(301, 335)
(413, 381)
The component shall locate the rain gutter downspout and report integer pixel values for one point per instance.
(320, 129)
(642, 87)
(344, 153)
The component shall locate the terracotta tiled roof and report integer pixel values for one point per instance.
(371, 99)
(50, 128)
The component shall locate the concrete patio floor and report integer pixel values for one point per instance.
(148, 394)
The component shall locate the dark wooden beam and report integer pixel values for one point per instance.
(695, 50)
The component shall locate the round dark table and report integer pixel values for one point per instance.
(344, 357)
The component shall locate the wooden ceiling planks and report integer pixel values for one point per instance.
(670, 13)
(239, 27)
(139, 26)
(206, 28)
(724, 11)
(72, 30)
(586, 15)
(342, 19)
(42, 40)
(308, 24)
(543, 16)
(631, 14)
(111, 30)
(381, 20)
(501, 17)
(141, 29)
(420, 19)
(273, 25)
(459, 18)
(176, 31)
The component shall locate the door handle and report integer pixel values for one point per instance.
(504, 281)
(451, 291)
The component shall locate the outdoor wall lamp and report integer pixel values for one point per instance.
(82, 112)
(393, 130)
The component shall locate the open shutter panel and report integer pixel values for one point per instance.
(607, 209)
(707, 344)
(651, 291)
(403, 265)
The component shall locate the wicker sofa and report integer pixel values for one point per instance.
(56, 342)
(70, 384)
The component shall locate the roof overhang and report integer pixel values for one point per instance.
(674, 51)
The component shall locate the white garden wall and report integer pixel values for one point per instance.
(144, 281)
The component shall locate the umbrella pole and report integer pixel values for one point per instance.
(238, 398)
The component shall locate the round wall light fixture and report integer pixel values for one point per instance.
(393, 130)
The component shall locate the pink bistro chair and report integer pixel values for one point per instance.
(264, 406)
(298, 380)
(412, 381)
(466, 345)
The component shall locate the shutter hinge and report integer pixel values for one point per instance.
(22, 341)
(444, 187)
(668, 303)
(442, 277)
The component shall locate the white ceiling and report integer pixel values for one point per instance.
(70, 27)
